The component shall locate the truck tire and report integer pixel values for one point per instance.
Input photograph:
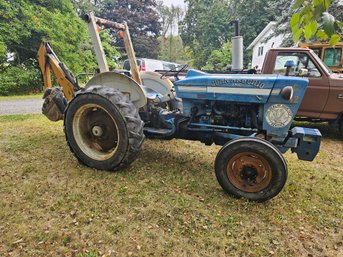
(340, 126)
(103, 128)
(251, 168)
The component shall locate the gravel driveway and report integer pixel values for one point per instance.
(21, 106)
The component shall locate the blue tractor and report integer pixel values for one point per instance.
(249, 115)
(106, 122)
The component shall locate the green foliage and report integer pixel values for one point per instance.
(311, 19)
(172, 49)
(25, 23)
(85, 6)
(3, 50)
(20, 79)
(207, 23)
(220, 59)
(205, 28)
(112, 55)
(170, 17)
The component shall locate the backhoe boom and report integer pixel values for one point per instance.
(49, 62)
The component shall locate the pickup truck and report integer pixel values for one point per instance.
(323, 100)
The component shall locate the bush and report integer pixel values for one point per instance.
(17, 80)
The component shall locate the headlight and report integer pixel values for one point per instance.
(287, 93)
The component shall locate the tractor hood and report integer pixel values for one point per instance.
(247, 88)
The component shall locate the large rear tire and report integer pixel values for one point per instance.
(103, 128)
(251, 168)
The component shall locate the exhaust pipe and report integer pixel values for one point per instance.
(237, 47)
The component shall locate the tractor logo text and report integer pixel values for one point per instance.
(231, 82)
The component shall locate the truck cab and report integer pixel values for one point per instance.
(330, 55)
(323, 100)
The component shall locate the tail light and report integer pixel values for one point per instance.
(143, 66)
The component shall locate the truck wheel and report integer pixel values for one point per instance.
(103, 128)
(340, 126)
(251, 168)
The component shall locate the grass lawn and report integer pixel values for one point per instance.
(168, 203)
(13, 97)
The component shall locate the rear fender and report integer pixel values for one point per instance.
(155, 82)
(122, 83)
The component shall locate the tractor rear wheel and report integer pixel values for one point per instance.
(251, 168)
(103, 128)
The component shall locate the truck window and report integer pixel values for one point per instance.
(126, 65)
(300, 61)
(317, 51)
(333, 56)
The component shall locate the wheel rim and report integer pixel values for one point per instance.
(249, 172)
(95, 132)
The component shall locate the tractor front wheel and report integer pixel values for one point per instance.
(103, 128)
(251, 168)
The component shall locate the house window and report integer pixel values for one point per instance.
(260, 51)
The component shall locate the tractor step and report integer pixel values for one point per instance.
(155, 131)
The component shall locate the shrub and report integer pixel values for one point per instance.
(23, 79)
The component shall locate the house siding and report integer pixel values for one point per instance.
(257, 57)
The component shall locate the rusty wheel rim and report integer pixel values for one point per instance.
(249, 172)
(96, 132)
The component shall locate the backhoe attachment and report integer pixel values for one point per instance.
(55, 98)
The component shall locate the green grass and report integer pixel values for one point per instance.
(15, 97)
(167, 203)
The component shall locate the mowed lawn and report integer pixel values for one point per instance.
(168, 203)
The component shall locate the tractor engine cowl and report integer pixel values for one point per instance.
(264, 102)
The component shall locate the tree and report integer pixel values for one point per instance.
(143, 22)
(205, 28)
(24, 24)
(220, 59)
(254, 15)
(171, 45)
(312, 19)
(172, 49)
(170, 17)
(86, 6)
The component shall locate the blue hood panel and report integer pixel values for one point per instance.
(245, 88)
(225, 87)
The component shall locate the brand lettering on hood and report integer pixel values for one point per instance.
(233, 82)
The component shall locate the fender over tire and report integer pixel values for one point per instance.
(103, 128)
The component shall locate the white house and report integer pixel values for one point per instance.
(260, 45)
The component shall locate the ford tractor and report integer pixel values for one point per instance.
(105, 122)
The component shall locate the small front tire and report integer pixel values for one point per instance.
(251, 168)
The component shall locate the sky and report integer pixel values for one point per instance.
(174, 2)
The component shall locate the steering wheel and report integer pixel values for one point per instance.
(184, 67)
(177, 71)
